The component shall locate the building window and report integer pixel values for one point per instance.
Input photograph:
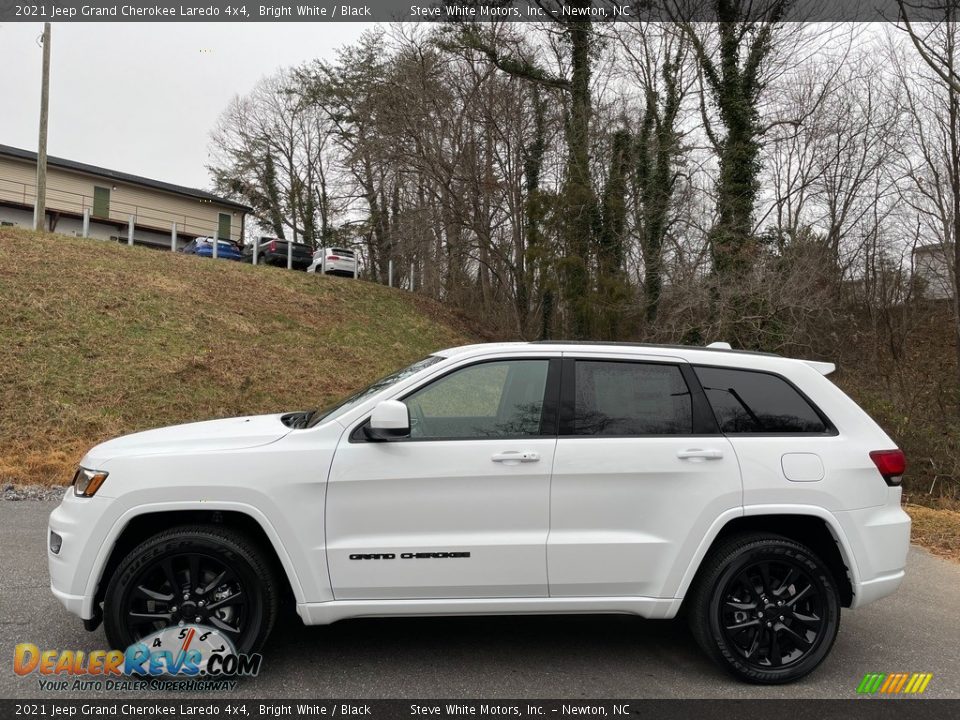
(224, 226)
(101, 202)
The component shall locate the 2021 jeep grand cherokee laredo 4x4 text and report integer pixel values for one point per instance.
(743, 488)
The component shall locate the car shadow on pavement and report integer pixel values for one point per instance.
(492, 656)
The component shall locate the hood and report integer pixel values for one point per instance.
(228, 434)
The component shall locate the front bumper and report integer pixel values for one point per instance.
(77, 521)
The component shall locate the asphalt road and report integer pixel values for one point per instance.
(915, 630)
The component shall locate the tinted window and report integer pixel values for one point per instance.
(627, 398)
(757, 402)
(488, 400)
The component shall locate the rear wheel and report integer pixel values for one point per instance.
(204, 575)
(765, 608)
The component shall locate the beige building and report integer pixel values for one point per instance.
(108, 199)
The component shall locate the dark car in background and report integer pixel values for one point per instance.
(203, 247)
(273, 251)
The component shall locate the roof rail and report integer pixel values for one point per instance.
(713, 347)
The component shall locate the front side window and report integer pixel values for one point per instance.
(746, 401)
(631, 398)
(489, 400)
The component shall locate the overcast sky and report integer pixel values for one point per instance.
(143, 97)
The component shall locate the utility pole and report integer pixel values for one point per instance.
(40, 205)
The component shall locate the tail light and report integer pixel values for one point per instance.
(272, 247)
(333, 257)
(891, 464)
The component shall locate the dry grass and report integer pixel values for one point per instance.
(97, 340)
(937, 529)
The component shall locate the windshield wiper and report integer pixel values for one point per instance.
(298, 420)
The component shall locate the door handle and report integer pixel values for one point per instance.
(699, 454)
(514, 457)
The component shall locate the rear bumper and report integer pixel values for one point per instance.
(879, 539)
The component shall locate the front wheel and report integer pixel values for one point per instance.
(204, 575)
(765, 608)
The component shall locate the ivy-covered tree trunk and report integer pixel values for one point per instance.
(734, 77)
(537, 266)
(579, 201)
(656, 151)
(732, 243)
(275, 215)
(611, 280)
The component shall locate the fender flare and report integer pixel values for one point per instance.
(120, 524)
(846, 552)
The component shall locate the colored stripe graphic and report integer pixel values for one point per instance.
(870, 683)
(894, 683)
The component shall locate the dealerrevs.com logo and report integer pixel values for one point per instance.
(894, 683)
(188, 657)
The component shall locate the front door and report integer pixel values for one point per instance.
(461, 508)
(640, 473)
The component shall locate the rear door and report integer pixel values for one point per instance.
(461, 508)
(640, 474)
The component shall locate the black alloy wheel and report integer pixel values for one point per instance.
(202, 575)
(765, 608)
(771, 614)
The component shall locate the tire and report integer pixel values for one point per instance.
(757, 588)
(191, 559)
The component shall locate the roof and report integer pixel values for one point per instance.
(692, 352)
(20, 154)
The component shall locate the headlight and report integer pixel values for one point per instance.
(87, 482)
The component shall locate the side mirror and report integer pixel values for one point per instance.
(390, 421)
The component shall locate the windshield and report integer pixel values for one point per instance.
(332, 411)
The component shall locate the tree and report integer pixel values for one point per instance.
(934, 107)
(734, 73)
(657, 59)
(580, 213)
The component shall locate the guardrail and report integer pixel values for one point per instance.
(59, 200)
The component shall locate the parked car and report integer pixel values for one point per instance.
(203, 246)
(743, 488)
(334, 261)
(272, 251)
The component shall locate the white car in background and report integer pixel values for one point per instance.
(334, 261)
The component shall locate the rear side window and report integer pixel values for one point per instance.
(746, 401)
(630, 398)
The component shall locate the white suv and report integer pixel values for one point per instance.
(742, 489)
(334, 261)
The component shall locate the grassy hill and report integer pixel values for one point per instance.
(98, 340)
